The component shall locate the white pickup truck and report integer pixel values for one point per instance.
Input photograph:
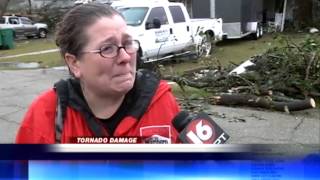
(164, 29)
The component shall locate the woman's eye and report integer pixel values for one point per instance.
(107, 49)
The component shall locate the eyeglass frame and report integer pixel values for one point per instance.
(118, 49)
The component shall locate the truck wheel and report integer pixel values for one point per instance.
(205, 47)
(42, 33)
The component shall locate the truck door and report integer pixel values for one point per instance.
(16, 25)
(30, 29)
(160, 40)
(180, 28)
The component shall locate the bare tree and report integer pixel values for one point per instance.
(30, 7)
(3, 6)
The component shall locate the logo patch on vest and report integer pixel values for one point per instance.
(156, 134)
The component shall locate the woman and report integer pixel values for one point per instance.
(106, 96)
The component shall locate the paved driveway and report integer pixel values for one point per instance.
(17, 90)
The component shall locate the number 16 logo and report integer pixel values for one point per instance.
(201, 131)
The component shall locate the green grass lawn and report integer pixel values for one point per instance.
(29, 45)
(237, 50)
(32, 45)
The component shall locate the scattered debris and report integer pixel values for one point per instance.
(236, 120)
(313, 30)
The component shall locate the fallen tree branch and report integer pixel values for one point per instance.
(263, 102)
(313, 56)
(291, 90)
(184, 81)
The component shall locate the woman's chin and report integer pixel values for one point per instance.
(124, 87)
(123, 83)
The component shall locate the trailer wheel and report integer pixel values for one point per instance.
(205, 47)
(256, 35)
(259, 32)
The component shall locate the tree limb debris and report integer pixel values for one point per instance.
(262, 102)
(185, 82)
(283, 79)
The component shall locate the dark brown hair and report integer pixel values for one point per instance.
(70, 33)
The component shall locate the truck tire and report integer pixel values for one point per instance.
(42, 33)
(205, 47)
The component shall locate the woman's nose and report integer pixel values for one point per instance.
(123, 56)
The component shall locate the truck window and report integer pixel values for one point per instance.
(26, 21)
(177, 14)
(13, 21)
(134, 16)
(159, 13)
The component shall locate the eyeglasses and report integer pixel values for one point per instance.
(112, 50)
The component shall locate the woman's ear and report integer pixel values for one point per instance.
(73, 64)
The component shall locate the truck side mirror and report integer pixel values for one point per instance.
(156, 24)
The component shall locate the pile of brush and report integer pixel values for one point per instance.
(285, 78)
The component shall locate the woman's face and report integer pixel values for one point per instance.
(107, 75)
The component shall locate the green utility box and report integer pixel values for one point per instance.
(7, 41)
(0, 41)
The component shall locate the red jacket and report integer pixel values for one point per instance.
(38, 125)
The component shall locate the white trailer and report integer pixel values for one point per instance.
(240, 17)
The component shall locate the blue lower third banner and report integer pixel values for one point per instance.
(13, 170)
(185, 161)
(305, 169)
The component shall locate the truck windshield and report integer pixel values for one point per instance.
(134, 16)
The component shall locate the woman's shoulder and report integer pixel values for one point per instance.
(164, 86)
(47, 99)
(43, 107)
(149, 84)
(38, 122)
